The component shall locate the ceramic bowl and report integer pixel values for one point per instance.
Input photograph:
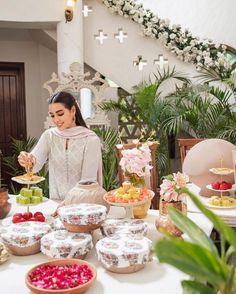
(62, 262)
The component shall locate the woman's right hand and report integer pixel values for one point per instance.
(26, 159)
(55, 214)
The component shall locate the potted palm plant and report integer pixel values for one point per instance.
(149, 109)
(210, 271)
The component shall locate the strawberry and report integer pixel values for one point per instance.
(27, 215)
(229, 185)
(38, 213)
(40, 218)
(18, 214)
(15, 219)
(215, 185)
(224, 186)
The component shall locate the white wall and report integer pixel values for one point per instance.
(39, 62)
(213, 19)
(32, 11)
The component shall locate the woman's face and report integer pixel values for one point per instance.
(62, 117)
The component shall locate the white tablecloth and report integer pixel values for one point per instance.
(154, 278)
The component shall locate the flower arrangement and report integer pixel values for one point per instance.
(173, 186)
(180, 42)
(135, 163)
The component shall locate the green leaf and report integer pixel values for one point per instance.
(196, 234)
(231, 284)
(227, 233)
(194, 287)
(194, 260)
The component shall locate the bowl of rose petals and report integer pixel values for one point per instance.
(68, 276)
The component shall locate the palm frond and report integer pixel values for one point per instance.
(167, 73)
(109, 137)
(208, 75)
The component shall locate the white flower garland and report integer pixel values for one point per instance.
(180, 42)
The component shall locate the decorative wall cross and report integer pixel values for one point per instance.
(101, 36)
(121, 35)
(86, 10)
(161, 61)
(140, 63)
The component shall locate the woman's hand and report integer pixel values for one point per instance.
(55, 214)
(26, 159)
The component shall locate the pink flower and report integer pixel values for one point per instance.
(172, 185)
(167, 191)
(137, 160)
(180, 180)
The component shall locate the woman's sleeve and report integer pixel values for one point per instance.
(41, 152)
(92, 160)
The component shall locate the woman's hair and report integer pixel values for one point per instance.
(68, 101)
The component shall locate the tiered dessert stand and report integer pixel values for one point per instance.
(29, 183)
(221, 172)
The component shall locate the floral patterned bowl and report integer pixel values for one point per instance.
(89, 274)
(83, 217)
(24, 238)
(123, 253)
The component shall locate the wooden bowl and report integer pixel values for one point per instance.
(81, 228)
(23, 251)
(62, 262)
(125, 270)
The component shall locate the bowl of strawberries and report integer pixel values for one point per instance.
(38, 216)
(221, 186)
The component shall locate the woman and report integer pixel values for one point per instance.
(72, 150)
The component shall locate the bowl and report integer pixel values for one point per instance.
(83, 217)
(62, 262)
(81, 228)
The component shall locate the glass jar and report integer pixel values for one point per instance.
(163, 222)
(139, 211)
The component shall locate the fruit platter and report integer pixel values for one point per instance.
(128, 196)
(28, 216)
(221, 202)
(19, 217)
(223, 186)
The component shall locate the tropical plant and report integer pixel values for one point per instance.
(109, 138)
(211, 272)
(149, 110)
(14, 169)
(202, 111)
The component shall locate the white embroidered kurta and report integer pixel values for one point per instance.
(70, 161)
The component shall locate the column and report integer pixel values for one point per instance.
(70, 41)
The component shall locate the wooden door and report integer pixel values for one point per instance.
(12, 105)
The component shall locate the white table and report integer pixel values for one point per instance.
(154, 278)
